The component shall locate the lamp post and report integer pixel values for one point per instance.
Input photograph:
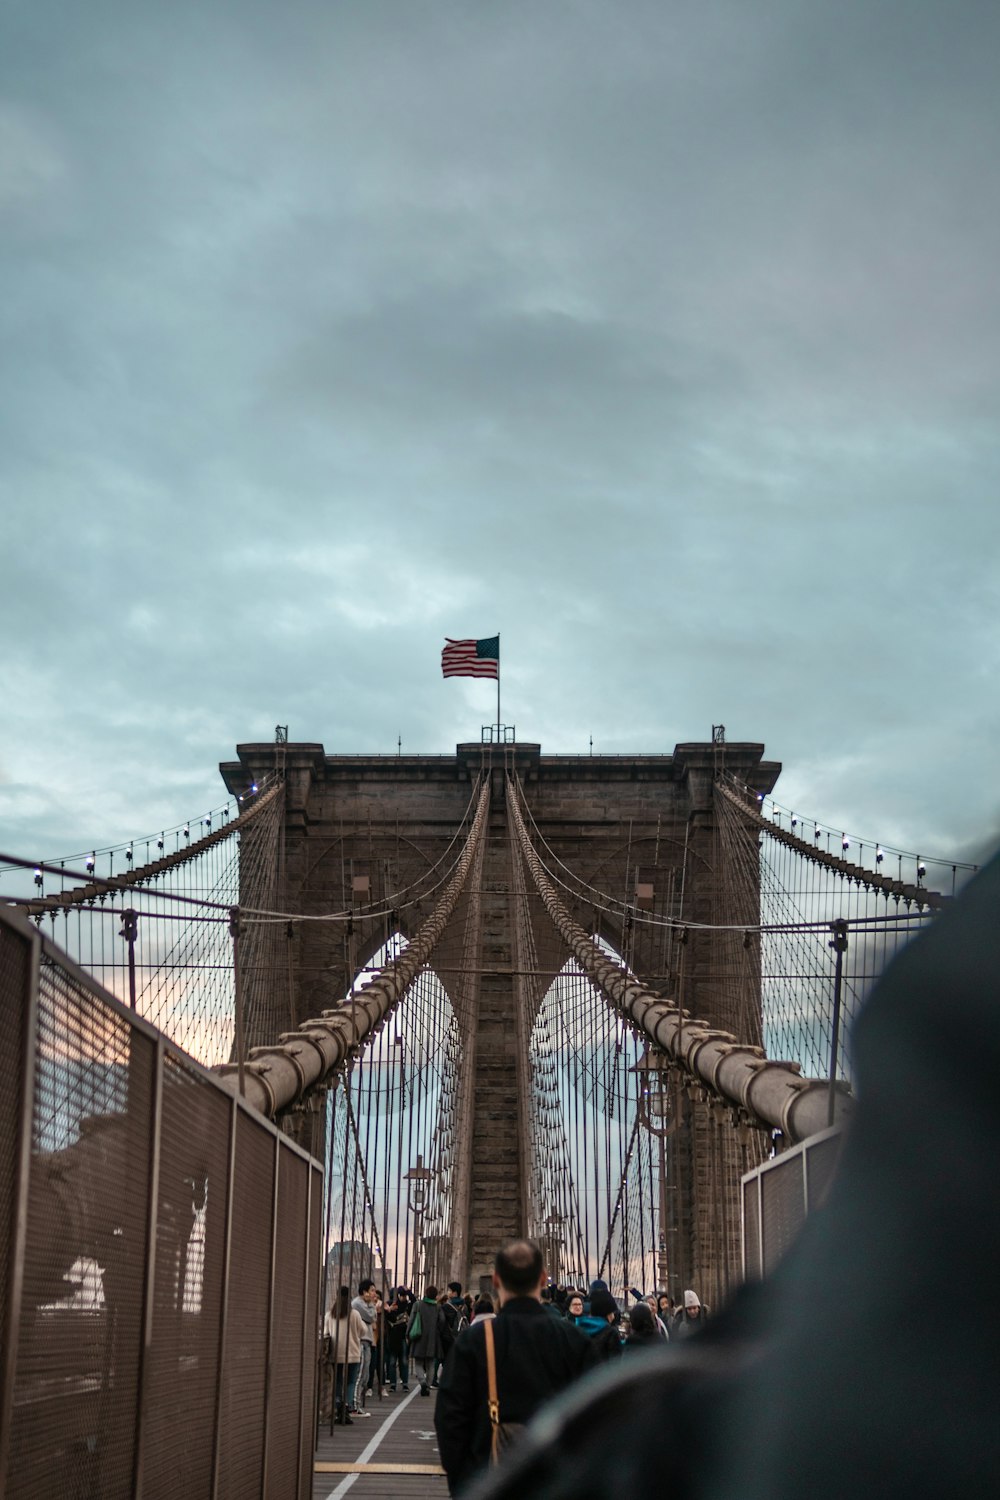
(661, 1110)
(417, 1180)
(553, 1244)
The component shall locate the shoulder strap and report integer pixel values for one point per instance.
(491, 1375)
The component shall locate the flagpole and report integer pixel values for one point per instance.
(498, 687)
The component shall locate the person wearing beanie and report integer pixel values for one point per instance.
(597, 1285)
(691, 1317)
(600, 1324)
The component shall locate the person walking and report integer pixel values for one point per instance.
(425, 1334)
(457, 1301)
(525, 1355)
(397, 1350)
(342, 1326)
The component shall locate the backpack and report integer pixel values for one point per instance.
(457, 1314)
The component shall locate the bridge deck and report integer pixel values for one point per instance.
(362, 1460)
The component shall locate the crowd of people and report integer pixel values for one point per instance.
(376, 1341)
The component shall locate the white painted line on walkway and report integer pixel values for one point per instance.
(365, 1455)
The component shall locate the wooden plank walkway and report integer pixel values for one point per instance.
(391, 1455)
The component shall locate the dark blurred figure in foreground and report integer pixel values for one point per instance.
(829, 1379)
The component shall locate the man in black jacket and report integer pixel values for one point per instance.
(536, 1356)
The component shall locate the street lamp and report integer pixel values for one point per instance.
(661, 1109)
(417, 1180)
(554, 1242)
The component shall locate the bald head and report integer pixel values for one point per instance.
(520, 1267)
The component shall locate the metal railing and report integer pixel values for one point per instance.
(159, 1257)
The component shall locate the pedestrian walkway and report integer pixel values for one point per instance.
(391, 1455)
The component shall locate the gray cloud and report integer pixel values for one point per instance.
(662, 338)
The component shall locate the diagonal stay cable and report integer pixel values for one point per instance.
(738, 1073)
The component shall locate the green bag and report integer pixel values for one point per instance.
(416, 1327)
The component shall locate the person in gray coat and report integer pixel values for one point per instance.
(426, 1333)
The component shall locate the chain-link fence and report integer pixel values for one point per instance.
(159, 1253)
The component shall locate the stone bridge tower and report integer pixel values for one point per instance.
(641, 828)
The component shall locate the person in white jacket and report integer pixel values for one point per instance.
(342, 1326)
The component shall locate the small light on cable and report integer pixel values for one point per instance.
(818, 834)
(879, 854)
(128, 853)
(159, 842)
(254, 787)
(795, 821)
(845, 842)
(38, 879)
(921, 869)
(91, 862)
(187, 831)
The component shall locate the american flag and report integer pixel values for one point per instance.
(471, 658)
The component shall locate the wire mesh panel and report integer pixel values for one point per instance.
(287, 1327)
(78, 1358)
(245, 1353)
(15, 968)
(752, 1267)
(183, 1371)
(311, 1330)
(113, 1383)
(821, 1158)
(783, 1209)
(778, 1196)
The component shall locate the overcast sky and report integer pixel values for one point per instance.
(661, 337)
